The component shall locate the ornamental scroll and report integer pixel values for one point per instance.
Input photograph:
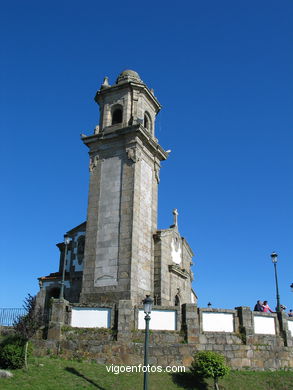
(133, 154)
(93, 162)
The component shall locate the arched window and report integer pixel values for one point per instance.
(117, 116)
(80, 249)
(147, 123)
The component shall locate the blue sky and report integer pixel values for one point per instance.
(222, 71)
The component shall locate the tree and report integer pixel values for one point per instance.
(27, 325)
(209, 364)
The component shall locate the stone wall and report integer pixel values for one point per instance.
(164, 350)
(122, 343)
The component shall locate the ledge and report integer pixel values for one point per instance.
(178, 271)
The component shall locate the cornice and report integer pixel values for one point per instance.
(175, 269)
(111, 135)
(129, 85)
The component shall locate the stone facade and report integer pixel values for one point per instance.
(124, 256)
(173, 261)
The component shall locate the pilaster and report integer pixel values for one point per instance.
(125, 320)
(284, 330)
(190, 322)
(245, 323)
(57, 319)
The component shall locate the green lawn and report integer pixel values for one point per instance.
(54, 374)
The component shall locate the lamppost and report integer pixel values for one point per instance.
(66, 242)
(147, 308)
(274, 258)
(291, 285)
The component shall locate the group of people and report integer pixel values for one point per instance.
(264, 307)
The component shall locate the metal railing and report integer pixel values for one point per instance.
(9, 315)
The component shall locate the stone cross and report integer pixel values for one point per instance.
(175, 213)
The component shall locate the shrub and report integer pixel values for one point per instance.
(12, 352)
(208, 364)
(27, 325)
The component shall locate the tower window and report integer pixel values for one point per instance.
(147, 122)
(117, 116)
(80, 249)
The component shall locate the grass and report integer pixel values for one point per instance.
(49, 373)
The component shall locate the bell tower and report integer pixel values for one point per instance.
(125, 161)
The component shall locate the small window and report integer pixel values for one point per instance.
(117, 116)
(147, 122)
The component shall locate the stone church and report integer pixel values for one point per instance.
(118, 253)
(118, 256)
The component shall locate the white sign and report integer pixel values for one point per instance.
(217, 322)
(290, 327)
(90, 317)
(264, 325)
(160, 320)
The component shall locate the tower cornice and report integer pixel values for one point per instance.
(135, 130)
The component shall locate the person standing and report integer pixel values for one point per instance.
(266, 307)
(282, 308)
(258, 306)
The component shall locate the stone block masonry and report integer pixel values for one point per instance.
(122, 342)
(108, 224)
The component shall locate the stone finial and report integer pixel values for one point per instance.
(175, 214)
(105, 83)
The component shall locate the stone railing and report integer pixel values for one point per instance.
(248, 326)
(196, 325)
(245, 338)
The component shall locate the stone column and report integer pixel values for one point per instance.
(190, 322)
(57, 319)
(284, 330)
(125, 320)
(245, 323)
(40, 300)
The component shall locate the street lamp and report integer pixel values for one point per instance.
(66, 242)
(274, 258)
(291, 285)
(147, 308)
